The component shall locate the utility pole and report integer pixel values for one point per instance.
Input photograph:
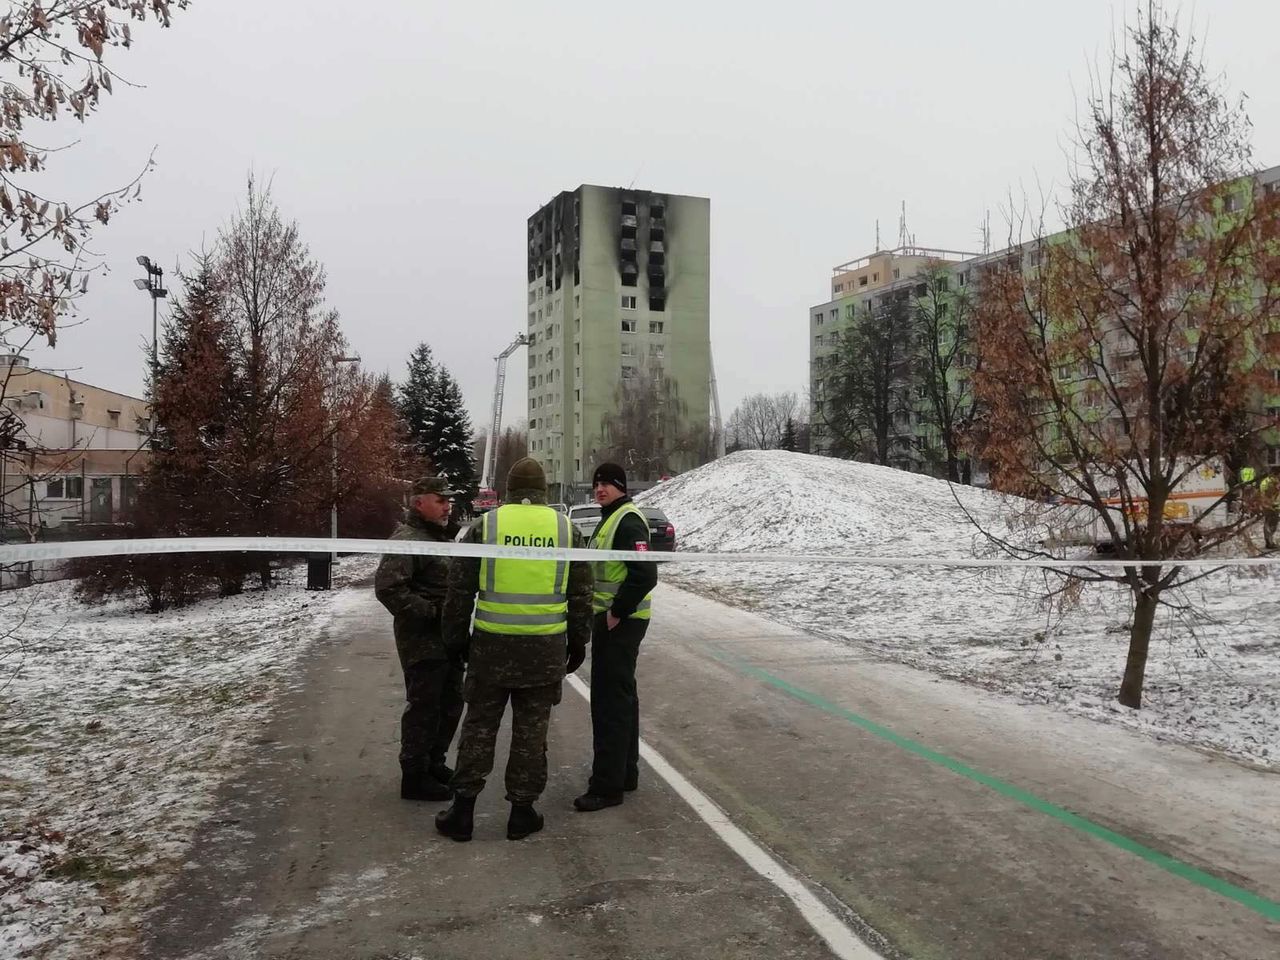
(333, 513)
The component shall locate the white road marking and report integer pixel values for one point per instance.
(844, 943)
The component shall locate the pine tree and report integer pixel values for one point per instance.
(414, 400)
(788, 441)
(452, 454)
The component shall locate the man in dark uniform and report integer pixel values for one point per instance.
(532, 623)
(623, 598)
(413, 588)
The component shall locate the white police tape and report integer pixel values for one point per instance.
(72, 549)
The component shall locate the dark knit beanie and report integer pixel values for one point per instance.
(610, 473)
(526, 474)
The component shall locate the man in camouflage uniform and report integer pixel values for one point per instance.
(413, 588)
(526, 669)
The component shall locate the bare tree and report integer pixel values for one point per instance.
(864, 399)
(942, 317)
(1133, 350)
(760, 420)
(650, 431)
(513, 445)
(54, 57)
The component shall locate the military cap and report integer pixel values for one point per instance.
(436, 485)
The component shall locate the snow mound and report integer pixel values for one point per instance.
(772, 500)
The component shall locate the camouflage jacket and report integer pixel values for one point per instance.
(413, 588)
(514, 661)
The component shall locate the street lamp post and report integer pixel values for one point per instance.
(153, 284)
(333, 513)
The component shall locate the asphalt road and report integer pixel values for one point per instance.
(932, 819)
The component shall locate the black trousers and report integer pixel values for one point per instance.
(615, 705)
(433, 691)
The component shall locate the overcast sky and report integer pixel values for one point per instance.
(412, 139)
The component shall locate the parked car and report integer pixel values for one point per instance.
(559, 507)
(662, 532)
(586, 517)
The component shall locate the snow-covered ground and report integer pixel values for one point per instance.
(116, 729)
(1213, 679)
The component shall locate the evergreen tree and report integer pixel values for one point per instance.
(414, 400)
(788, 441)
(453, 438)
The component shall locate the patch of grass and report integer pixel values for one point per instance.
(89, 868)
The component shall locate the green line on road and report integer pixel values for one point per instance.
(1268, 908)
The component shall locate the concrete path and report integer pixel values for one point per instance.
(956, 823)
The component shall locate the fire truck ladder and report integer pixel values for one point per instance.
(495, 426)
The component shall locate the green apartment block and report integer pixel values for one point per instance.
(871, 284)
(618, 290)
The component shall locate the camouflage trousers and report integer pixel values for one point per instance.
(527, 761)
(433, 707)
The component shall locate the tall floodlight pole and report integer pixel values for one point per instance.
(153, 285)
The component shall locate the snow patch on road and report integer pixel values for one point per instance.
(1213, 677)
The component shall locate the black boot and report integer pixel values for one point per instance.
(420, 785)
(632, 783)
(441, 771)
(523, 821)
(591, 802)
(458, 821)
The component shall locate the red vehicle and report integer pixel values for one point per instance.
(486, 499)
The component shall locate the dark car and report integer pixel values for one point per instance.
(662, 532)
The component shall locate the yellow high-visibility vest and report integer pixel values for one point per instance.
(524, 597)
(611, 573)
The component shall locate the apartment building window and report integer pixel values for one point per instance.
(531, 319)
(533, 297)
(875, 278)
(656, 326)
(628, 373)
(839, 287)
(848, 311)
(963, 278)
(862, 281)
(657, 304)
(65, 488)
(533, 382)
(577, 395)
(539, 379)
(628, 349)
(818, 319)
(577, 466)
(835, 314)
(656, 351)
(577, 349)
(819, 340)
(628, 302)
(577, 300)
(1273, 456)
(539, 316)
(897, 273)
(628, 326)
